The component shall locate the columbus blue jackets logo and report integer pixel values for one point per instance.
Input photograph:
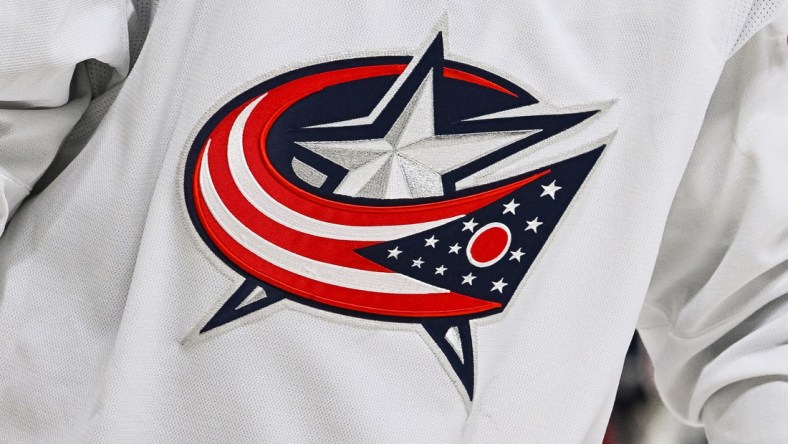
(384, 188)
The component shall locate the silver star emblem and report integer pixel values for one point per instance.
(409, 161)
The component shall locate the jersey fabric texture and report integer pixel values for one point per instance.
(400, 221)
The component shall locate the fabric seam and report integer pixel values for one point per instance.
(9, 176)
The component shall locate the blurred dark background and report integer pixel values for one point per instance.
(639, 417)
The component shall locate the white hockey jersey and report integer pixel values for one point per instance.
(389, 221)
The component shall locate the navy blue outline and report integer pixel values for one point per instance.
(432, 60)
(462, 368)
(232, 310)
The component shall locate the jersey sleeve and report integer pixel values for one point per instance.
(715, 320)
(44, 88)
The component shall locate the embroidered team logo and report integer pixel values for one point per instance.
(388, 188)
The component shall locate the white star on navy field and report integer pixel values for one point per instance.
(550, 190)
(470, 225)
(395, 252)
(510, 207)
(516, 255)
(533, 224)
(431, 241)
(498, 285)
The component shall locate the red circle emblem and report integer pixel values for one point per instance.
(489, 245)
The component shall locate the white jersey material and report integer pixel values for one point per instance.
(400, 221)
